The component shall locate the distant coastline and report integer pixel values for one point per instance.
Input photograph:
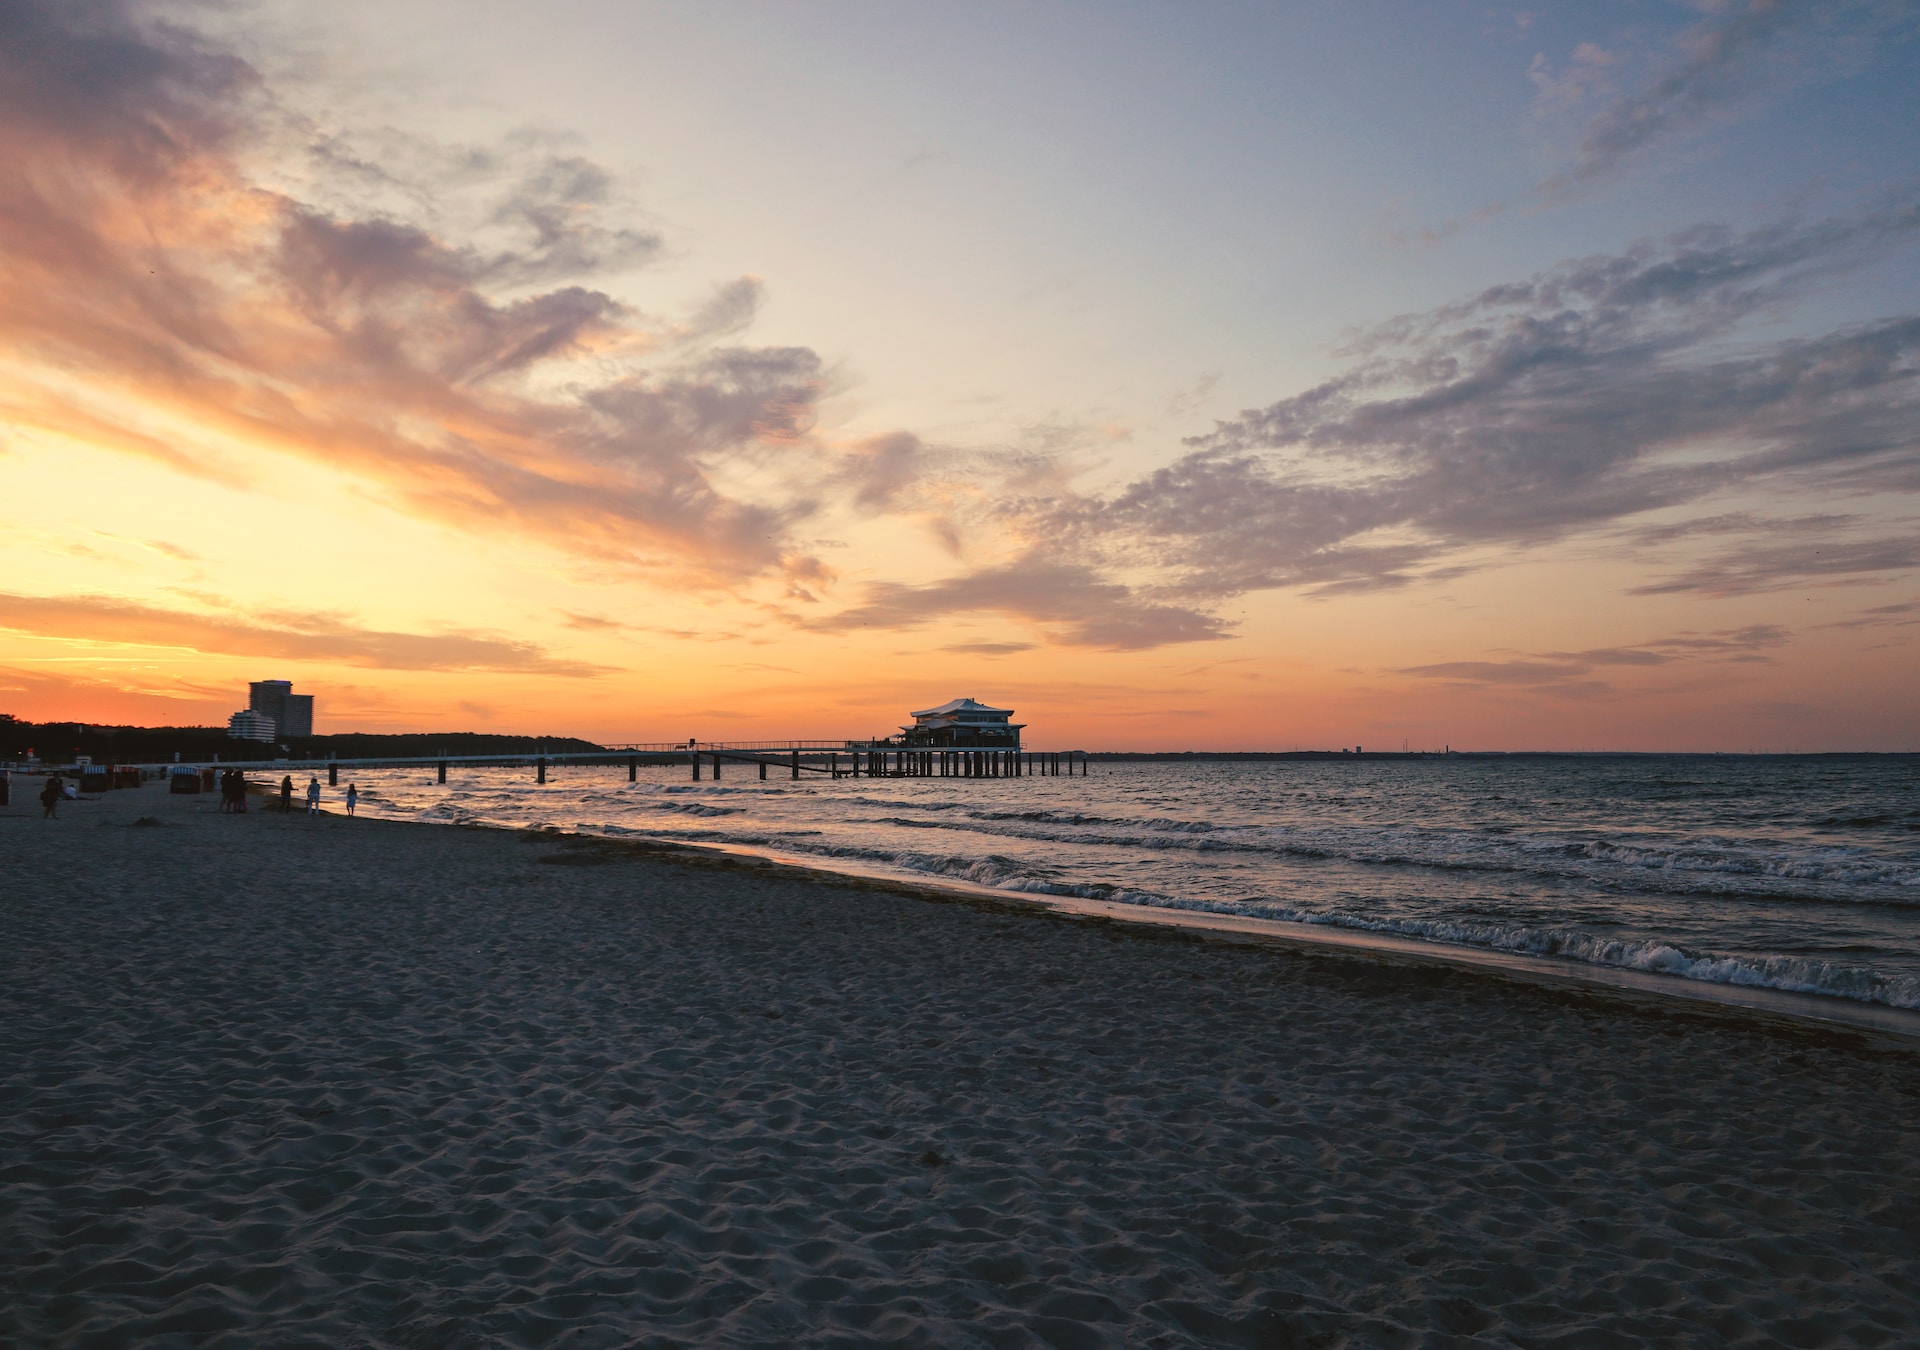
(59, 741)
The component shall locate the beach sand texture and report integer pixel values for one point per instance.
(318, 1081)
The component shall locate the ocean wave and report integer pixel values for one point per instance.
(1834, 873)
(1799, 974)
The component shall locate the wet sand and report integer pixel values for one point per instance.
(316, 1081)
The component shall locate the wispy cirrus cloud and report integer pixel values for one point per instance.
(1714, 62)
(1620, 100)
(1763, 565)
(1573, 401)
(294, 637)
(1572, 675)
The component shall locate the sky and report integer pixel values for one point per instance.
(1181, 375)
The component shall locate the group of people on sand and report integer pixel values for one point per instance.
(313, 795)
(233, 792)
(233, 795)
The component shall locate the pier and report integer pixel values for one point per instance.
(703, 759)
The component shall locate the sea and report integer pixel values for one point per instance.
(1798, 873)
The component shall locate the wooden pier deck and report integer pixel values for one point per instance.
(794, 759)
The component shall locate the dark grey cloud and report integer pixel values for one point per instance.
(1577, 399)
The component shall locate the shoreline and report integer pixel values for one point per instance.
(1833, 1011)
(1876, 1019)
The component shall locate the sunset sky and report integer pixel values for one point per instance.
(1208, 375)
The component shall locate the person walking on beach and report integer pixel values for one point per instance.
(313, 796)
(286, 793)
(227, 807)
(353, 798)
(50, 796)
(240, 791)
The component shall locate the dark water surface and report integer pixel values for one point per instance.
(1791, 872)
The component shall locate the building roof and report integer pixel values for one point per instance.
(957, 705)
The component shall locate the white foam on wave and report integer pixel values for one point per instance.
(1626, 864)
(1836, 873)
(1798, 974)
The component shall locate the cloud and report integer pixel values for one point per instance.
(988, 648)
(153, 277)
(1075, 604)
(880, 469)
(1715, 55)
(315, 638)
(1763, 566)
(729, 310)
(1535, 677)
(1568, 674)
(1906, 614)
(1742, 53)
(1594, 392)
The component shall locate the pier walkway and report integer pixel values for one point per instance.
(833, 759)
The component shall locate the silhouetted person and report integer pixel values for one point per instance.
(313, 796)
(50, 796)
(286, 793)
(240, 791)
(353, 798)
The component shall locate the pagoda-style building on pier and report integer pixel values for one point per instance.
(962, 723)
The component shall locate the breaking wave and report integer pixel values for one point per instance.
(1799, 974)
(1749, 876)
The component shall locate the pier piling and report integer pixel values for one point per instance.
(440, 772)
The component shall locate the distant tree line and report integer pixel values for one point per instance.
(61, 742)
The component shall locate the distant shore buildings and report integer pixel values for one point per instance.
(966, 724)
(248, 725)
(273, 712)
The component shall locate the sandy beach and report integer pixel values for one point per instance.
(318, 1081)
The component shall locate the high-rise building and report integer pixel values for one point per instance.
(248, 725)
(292, 713)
